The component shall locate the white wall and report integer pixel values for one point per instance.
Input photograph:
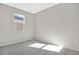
(59, 25)
(7, 34)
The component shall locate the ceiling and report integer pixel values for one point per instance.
(32, 7)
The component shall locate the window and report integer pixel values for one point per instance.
(19, 21)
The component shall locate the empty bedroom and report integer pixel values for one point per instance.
(39, 28)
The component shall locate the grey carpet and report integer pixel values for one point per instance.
(23, 49)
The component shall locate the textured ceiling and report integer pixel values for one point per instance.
(32, 7)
